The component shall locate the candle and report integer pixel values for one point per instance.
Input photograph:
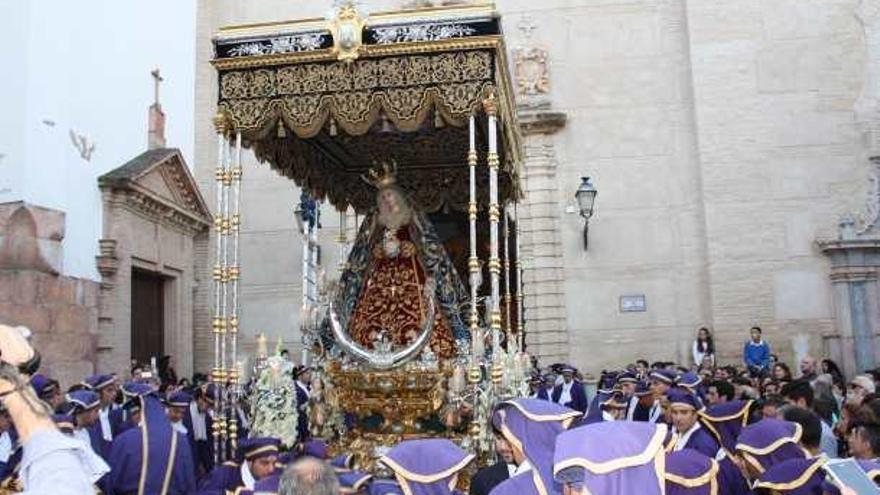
(261, 345)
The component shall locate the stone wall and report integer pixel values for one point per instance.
(723, 141)
(61, 311)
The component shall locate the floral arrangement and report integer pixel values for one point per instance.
(273, 402)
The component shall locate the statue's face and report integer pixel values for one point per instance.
(389, 201)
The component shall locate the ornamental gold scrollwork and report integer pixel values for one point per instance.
(404, 88)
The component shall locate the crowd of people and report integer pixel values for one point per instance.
(647, 428)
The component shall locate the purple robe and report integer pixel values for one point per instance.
(384, 487)
(730, 479)
(616, 457)
(353, 481)
(700, 440)
(226, 477)
(533, 424)
(689, 472)
(156, 438)
(594, 411)
(768, 442)
(520, 484)
(726, 421)
(793, 477)
(427, 467)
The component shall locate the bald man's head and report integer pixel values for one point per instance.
(309, 476)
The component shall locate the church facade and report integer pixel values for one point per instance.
(732, 148)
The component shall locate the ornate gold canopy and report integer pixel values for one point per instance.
(323, 101)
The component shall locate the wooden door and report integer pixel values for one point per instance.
(147, 316)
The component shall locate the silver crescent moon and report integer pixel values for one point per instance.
(379, 360)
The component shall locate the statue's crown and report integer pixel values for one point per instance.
(381, 176)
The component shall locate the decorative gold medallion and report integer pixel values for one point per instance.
(347, 29)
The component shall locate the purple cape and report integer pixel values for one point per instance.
(617, 457)
(384, 487)
(700, 440)
(689, 472)
(353, 481)
(730, 479)
(794, 477)
(427, 467)
(224, 478)
(768, 442)
(151, 458)
(531, 426)
(726, 421)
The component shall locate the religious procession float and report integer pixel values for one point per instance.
(406, 119)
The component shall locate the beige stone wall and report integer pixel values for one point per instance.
(720, 136)
(143, 241)
(61, 311)
(775, 85)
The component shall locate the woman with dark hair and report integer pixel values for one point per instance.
(781, 372)
(703, 346)
(830, 367)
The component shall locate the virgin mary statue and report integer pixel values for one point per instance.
(381, 293)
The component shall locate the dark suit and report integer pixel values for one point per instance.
(302, 420)
(488, 478)
(203, 450)
(578, 397)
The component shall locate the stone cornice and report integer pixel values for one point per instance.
(144, 202)
(829, 246)
(540, 120)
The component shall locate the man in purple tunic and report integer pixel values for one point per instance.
(570, 393)
(47, 390)
(530, 426)
(687, 433)
(257, 461)
(611, 458)
(607, 386)
(639, 408)
(427, 467)
(152, 457)
(110, 417)
(689, 472)
(661, 381)
(83, 406)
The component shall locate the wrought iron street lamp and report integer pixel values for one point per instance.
(586, 197)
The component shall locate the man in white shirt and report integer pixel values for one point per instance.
(259, 454)
(570, 393)
(303, 395)
(199, 423)
(686, 430)
(109, 419)
(176, 406)
(84, 409)
(661, 382)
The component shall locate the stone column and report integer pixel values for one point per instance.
(543, 277)
(541, 252)
(855, 264)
